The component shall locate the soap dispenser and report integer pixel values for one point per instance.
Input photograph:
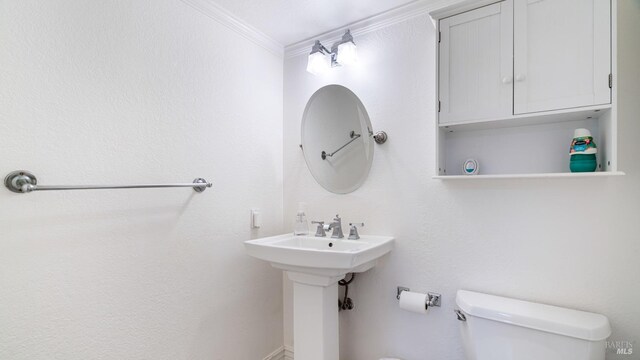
(301, 226)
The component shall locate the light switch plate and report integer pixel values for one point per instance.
(256, 218)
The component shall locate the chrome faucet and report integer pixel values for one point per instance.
(353, 232)
(336, 226)
(320, 230)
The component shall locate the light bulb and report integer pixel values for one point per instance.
(347, 53)
(318, 63)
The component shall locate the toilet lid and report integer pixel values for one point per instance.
(553, 319)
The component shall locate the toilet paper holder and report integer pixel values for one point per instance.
(433, 299)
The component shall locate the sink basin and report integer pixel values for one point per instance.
(320, 255)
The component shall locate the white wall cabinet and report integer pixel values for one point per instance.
(476, 64)
(524, 56)
(516, 77)
(562, 54)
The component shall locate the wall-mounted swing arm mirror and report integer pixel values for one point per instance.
(337, 139)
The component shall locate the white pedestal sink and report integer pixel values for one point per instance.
(315, 265)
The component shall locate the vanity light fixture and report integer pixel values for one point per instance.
(343, 52)
(347, 52)
(318, 61)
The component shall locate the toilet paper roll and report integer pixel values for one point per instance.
(413, 301)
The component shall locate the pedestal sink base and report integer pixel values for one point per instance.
(315, 321)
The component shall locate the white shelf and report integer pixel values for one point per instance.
(531, 176)
(538, 118)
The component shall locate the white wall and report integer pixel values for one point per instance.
(568, 242)
(133, 92)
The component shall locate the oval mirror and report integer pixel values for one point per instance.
(337, 139)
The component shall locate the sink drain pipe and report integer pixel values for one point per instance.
(346, 303)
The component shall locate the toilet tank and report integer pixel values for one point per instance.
(499, 328)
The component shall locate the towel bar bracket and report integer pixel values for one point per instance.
(17, 179)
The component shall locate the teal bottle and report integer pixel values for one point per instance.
(583, 163)
(583, 152)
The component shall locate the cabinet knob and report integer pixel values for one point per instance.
(507, 80)
(521, 77)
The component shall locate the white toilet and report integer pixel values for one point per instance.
(498, 328)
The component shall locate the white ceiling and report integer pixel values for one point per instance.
(290, 21)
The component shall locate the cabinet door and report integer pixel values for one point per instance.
(562, 55)
(476, 64)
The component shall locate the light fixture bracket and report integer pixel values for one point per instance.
(318, 47)
(334, 57)
(347, 37)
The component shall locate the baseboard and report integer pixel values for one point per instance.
(288, 352)
(278, 354)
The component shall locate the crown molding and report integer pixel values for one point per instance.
(459, 7)
(224, 17)
(373, 23)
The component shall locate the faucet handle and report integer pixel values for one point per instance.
(320, 230)
(353, 231)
